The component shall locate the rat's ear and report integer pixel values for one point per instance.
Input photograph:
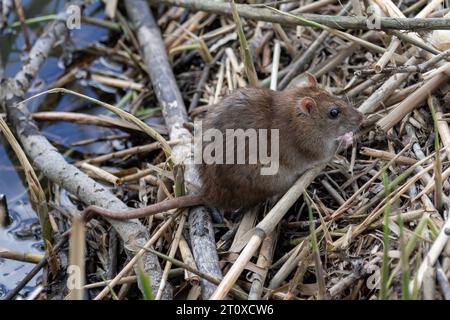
(312, 81)
(306, 79)
(306, 105)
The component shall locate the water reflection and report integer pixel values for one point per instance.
(23, 234)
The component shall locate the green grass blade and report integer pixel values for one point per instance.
(384, 290)
(145, 282)
(404, 261)
(245, 52)
(316, 252)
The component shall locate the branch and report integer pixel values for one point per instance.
(6, 7)
(336, 22)
(52, 164)
(174, 112)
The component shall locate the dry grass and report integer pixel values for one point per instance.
(369, 226)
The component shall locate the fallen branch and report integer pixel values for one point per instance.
(174, 112)
(6, 7)
(52, 164)
(137, 257)
(335, 22)
(37, 194)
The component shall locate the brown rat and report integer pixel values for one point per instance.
(310, 124)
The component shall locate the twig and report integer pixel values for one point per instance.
(432, 256)
(384, 91)
(77, 257)
(264, 14)
(275, 65)
(47, 159)
(6, 7)
(264, 261)
(29, 257)
(342, 35)
(308, 55)
(236, 291)
(135, 259)
(420, 68)
(379, 66)
(266, 225)
(415, 99)
(21, 15)
(387, 156)
(33, 272)
(174, 111)
(173, 250)
(343, 208)
(83, 118)
(101, 174)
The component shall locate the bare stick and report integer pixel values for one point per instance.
(173, 250)
(50, 162)
(266, 225)
(432, 256)
(135, 259)
(175, 203)
(264, 14)
(415, 99)
(21, 14)
(235, 290)
(387, 156)
(275, 65)
(264, 262)
(420, 68)
(6, 7)
(174, 112)
(77, 256)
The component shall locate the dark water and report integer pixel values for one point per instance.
(23, 233)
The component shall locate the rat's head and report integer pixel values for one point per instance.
(315, 108)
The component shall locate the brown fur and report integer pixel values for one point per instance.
(306, 139)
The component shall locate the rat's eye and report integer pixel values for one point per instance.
(334, 113)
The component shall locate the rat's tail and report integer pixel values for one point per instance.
(179, 202)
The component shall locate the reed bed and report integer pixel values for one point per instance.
(373, 224)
